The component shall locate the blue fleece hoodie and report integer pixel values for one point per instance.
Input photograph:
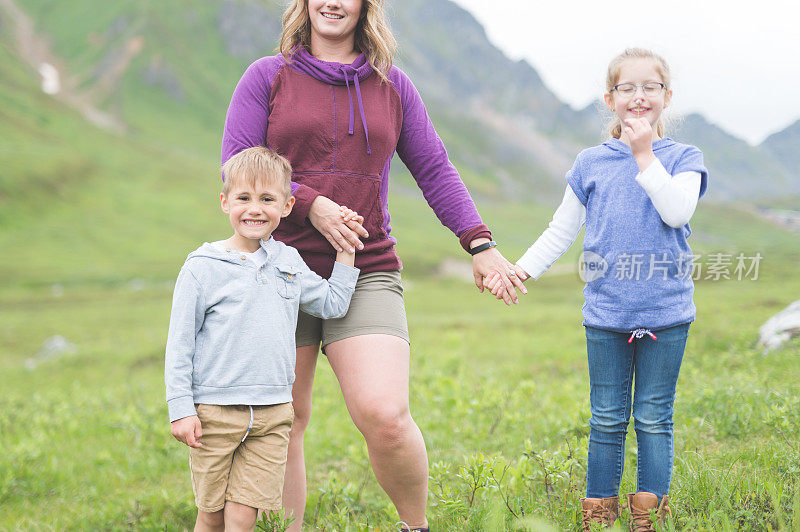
(638, 269)
(231, 331)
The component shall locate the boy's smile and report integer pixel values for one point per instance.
(254, 212)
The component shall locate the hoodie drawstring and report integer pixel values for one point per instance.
(639, 333)
(350, 129)
(349, 99)
(250, 426)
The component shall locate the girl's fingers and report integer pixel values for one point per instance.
(509, 288)
(522, 274)
(517, 281)
(634, 123)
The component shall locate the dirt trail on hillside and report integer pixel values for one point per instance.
(35, 51)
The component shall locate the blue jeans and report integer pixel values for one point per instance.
(652, 367)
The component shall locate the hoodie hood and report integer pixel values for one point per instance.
(210, 251)
(334, 73)
(618, 145)
(330, 72)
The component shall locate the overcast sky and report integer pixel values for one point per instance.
(737, 63)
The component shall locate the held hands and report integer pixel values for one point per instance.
(341, 230)
(491, 263)
(188, 430)
(348, 216)
(640, 135)
(496, 286)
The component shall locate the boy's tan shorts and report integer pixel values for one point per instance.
(249, 472)
(377, 307)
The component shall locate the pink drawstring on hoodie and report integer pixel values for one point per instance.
(639, 333)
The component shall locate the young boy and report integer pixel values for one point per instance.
(231, 347)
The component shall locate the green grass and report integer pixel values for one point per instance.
(95, 227)
(500, 394)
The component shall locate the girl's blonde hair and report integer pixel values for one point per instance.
(373, 35)
(615, 127)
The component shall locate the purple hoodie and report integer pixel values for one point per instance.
(306, 111)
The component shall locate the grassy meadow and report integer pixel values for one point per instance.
(501, 394)
(94, 228)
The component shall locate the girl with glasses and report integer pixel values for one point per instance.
(635, 193)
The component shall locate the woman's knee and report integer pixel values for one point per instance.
(385, 425)
(302, 416)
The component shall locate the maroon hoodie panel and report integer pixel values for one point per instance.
(309, 125)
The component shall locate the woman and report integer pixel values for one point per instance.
(336, 63)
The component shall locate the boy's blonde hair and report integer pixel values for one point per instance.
(373, 35)
(257, 165)
(612, 77)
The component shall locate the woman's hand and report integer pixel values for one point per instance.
(496, 286)
(341, 231)
(490, 262)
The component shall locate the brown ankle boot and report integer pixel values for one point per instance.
(639, 506)
(603, 511)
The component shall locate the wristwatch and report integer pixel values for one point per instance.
(482, 247)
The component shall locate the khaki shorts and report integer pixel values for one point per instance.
(249, 472)
(376, 308)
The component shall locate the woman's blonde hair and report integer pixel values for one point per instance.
(614, 68)
(373, 35)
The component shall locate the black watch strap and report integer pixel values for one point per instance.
(482, 247)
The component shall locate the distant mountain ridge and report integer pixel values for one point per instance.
(509, 135)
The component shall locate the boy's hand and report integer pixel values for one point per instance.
(349, 215)
(640, 134)
(188, 430)
(352, 220)
(324, 216)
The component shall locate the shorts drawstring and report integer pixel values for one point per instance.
(249, 427)
(639, 333)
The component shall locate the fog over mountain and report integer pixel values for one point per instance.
(166, 71)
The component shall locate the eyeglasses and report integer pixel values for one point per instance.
(651, 88)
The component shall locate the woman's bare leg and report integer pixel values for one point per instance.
(373, 372)
(294, 484)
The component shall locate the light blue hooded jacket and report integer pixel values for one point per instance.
(231, 332)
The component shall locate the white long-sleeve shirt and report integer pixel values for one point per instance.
(674, 197)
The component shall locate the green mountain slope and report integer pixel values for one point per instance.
(167, 69)
(81, 204)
